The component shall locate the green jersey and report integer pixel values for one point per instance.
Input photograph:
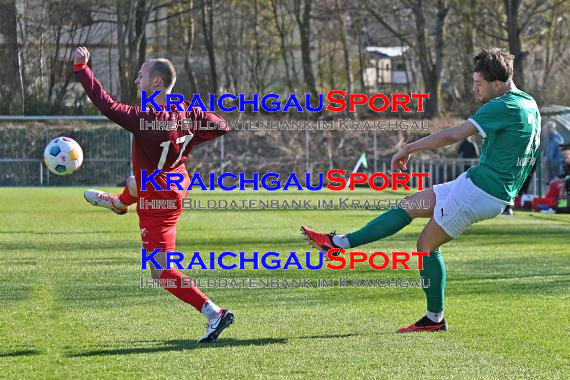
(510, 126)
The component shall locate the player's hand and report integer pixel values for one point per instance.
(400, 160)
(81, 55)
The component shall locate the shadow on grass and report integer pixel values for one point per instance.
(329, 336)
(19, 353)
(521, 236)
(543, 217)
(71, 245)
(548, 286)
(10, 293)
(133, 245)
(184, 344)
(35, 232)
(179, 345)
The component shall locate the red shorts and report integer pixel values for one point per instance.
(159, 232)
(158, 226)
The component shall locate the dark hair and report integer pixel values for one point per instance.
(164, 69)
(494, 64)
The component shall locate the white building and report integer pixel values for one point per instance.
(387, 65)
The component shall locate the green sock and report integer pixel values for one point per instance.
(380, 227)
(434, 271)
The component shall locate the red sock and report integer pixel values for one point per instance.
(126, 198)
(191, 295)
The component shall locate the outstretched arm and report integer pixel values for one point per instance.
(437, 140)
(125, 115)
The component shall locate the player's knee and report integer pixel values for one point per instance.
(423, 244)
(132, 186)
(416, 207)
(414, 212)
(419, 243)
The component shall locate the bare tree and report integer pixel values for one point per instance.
(342, 15)
(556, 42)
(302, 11)
(465, 40)
(10, 86)
(358, 27)
(234, 47)
(512, 9)
(132, 19)
(510, 24)
(68, 26)
(207, 22)
(188, 26)
(430, 53)
(279, 14)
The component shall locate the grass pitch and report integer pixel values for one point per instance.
(72, 306)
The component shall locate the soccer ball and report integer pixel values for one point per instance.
(63, 156)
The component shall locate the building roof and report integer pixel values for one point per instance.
(388, 51)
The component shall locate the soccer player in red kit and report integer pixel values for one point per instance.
(166, 150)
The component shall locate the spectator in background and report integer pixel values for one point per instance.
(563, 180)
(552, 155)
(468, 149)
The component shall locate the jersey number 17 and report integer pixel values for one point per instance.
(184, 140)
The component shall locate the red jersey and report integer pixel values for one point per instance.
(153, 149)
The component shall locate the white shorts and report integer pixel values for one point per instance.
(459, 204)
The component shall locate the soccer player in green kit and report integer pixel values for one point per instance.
(509, 122)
